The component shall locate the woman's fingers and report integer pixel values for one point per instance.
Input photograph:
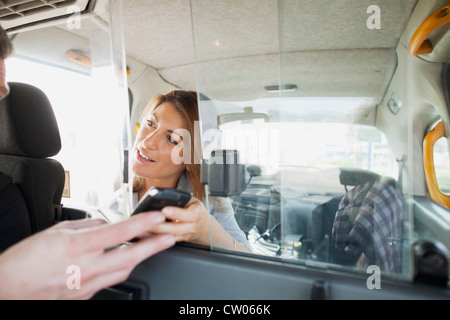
(186, 224)
(179, 214)
(191, 213)
(182, 231)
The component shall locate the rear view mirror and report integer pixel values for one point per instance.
(247, 116)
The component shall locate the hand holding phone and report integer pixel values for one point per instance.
(158, 198)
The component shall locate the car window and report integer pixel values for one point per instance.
(86, 138)
(70, 110)
(300, 173)
(91, 105)
(442, 165)
(309, 144)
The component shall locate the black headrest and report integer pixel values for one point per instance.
(355, 177)
(27, 123)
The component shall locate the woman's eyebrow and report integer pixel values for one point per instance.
(152, 115)
(171, 131)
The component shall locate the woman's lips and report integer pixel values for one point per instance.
(143, 158)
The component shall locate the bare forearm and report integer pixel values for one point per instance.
(220, 238)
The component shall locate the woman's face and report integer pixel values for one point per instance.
(160, 133)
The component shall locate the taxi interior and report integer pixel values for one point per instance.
(323, 100)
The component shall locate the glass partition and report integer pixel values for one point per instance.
(321, 180)
(298, 108)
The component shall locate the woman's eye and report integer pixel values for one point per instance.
(171, 140)
(151, 124)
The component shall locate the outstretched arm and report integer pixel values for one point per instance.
(39, 267)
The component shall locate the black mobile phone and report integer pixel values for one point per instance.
(158, 198)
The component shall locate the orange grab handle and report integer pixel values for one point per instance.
(419, 43)
(80, 58)
(428, 160)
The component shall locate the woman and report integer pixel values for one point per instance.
(164, 126)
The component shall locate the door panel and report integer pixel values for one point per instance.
(190, 273)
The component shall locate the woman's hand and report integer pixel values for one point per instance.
(194, 224)
(189, 224)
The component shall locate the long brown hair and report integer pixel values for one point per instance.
(185, 102)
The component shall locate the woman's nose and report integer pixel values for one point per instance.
(150, 141)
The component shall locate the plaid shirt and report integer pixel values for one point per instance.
(370, 220)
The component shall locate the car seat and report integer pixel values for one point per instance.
(368, 219)
(14, 218)
(29, 136)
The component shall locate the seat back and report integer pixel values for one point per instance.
(370, 219)
(29, 136)
(14, 218)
